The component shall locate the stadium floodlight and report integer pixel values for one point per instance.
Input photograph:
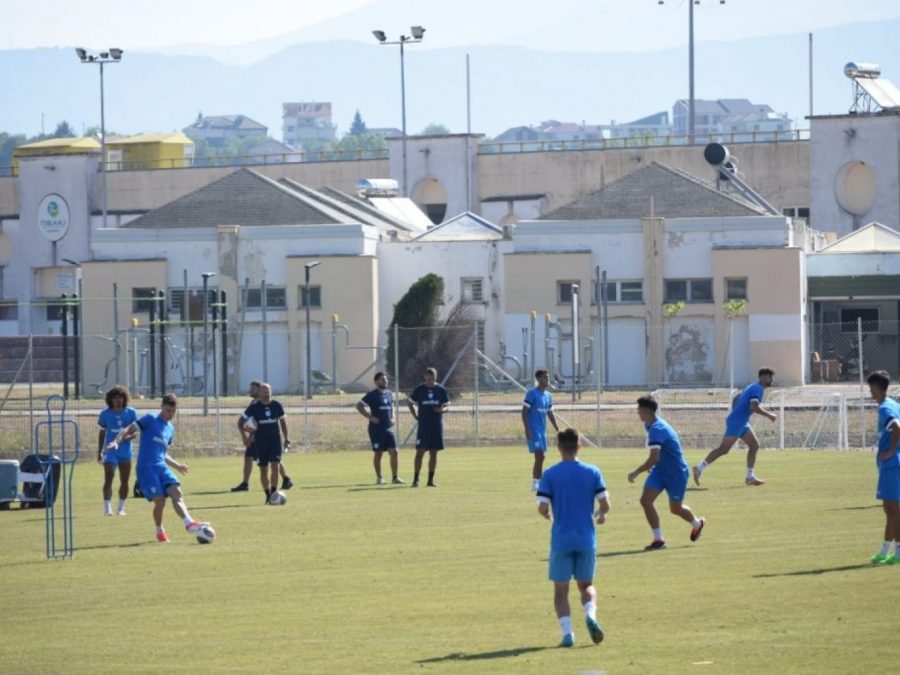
(82, 53)
(116, 53)
(418, 32)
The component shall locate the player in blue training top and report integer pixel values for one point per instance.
(668, 471)
(432, 401)
(154, 477)
(380, 413)
(536, 408)
(887, 459)
(570, 488)
(248, 438)
(271, 424)
(737, 426)
(116, 416)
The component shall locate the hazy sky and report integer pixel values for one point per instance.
(589, 25)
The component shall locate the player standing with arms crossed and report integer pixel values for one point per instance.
(570, 488)
(737, 426)
(887, 460)
(537, 407)
(431, 399)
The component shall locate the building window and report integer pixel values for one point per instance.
(472, 290)
(796, 212)
(735, 289)
(688, 290)
(276, 298)
(564, 291)
(175, 298)
(624, 291)
(9, 310)
(870, 316)
(315, 297)
(142, 299)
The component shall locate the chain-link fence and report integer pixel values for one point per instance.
(209, 365)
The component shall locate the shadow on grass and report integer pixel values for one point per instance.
(200, 507)
(333, 487)
(213, 492)
(384, 488)
(131, 545)
(614, 554)
(499, 654)
(857, 508)
(820, 570)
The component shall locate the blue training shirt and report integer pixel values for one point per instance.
(429, 399)
(661, 436)
(571, 487)
(539, 403)
(381, 403)
(156, 437)
(888, 416)
(741, 412)
(113, 422)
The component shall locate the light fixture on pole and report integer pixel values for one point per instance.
(417, 34)
(691, 117)
(114, 55)
(206, 276)
(306, 301)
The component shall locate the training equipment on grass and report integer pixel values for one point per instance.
(250, 425)
(61, 439)
(278, 498)
(206, 534)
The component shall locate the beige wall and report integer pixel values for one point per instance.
(9, 196)
(779, 171)
(97, 287)
(530, 281)
(350, 289)
(776, 290)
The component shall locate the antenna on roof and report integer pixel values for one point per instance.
(727, 177)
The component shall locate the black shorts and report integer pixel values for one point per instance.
(251, 451)
(381, 438)
(430, 439)
(267, 455)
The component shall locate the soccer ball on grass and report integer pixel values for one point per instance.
(278, 498)
(206, 535)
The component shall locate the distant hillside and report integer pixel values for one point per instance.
(510, 86)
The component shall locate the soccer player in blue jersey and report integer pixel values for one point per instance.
(537, 407)
(154, 477)
(569, 488)
(737, 426)
(668, 471)
(271, 425)
(380, 413)
(432, 401)
(248, 438)
(116, 416)
(887, 459)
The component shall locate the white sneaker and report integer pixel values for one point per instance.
(107, 512)
(380, 481)
(121, 512)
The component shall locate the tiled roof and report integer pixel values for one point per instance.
(675, 194)
(243, 198)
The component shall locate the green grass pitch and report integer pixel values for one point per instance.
(350, 577)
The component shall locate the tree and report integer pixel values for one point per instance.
(357, 127)
(63, 130)
(427, 341)
(435, 130)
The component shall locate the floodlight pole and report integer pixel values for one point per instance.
(114, 55)
(417, 33)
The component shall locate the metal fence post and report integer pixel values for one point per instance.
(476, 362)
(599, 371)
(862, 381)
(265, 333)
(31, 389)
(397, 380)
(781, 423)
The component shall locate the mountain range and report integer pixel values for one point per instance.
(510, 86)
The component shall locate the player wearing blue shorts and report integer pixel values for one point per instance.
(266, 439)
(378, 407)
(536, 408)
(668, 471)
(737, 426)
(154, 477)
(248, 440)
(432, 401)
(116, 416)
(569, 488)
(887, 459)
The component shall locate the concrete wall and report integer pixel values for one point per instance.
(837, 140)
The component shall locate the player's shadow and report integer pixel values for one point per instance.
(201, 507)
(331, 487)
(856, 508)
(816, 571)
(211, 492)
(482, 656)
(377, 488)
(614, 554)
(131, 545)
